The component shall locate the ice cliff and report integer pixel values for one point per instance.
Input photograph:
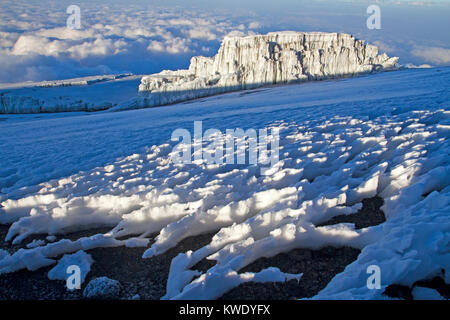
(81, 94)
(275, 58)
(241, 63)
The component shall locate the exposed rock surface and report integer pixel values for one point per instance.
(102, 288)
(275, 58)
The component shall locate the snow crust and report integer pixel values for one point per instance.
(422, 293)
(334, 153)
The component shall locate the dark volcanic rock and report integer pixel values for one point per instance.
(148, 277)
(102, 288)
(369, 215)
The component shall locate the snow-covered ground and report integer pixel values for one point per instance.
(341, 141)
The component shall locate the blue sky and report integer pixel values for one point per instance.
(142, 36)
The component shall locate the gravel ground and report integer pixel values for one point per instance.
(369, 215)
(318, 266)
(147, 277)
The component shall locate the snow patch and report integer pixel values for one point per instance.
(80, 259)
(422, 293)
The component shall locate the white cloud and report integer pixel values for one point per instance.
(180, 22)
(155, 45)
(236, 33)
(114, 36)
(201, 33)
(384, 47)
(64, 33)
(254, 25)
(177, 45)
(139, 37)
(172, 46)
(413, 66)
(32, 44)
(98, 47)
(435, 55)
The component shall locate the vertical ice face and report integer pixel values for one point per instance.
(241, 63)
(275, 58)
(94, 93)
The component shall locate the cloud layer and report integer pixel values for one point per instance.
(144, 37)
(131, 37)
(433, 54)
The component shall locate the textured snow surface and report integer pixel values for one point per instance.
(422, 293)
(341, 142)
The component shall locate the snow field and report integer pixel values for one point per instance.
(327, 167)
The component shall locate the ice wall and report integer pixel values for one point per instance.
(241, 63)
(275, 58)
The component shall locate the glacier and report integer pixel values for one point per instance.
(261, 60)
(241, 63)
(341, 141)
(88, 94)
